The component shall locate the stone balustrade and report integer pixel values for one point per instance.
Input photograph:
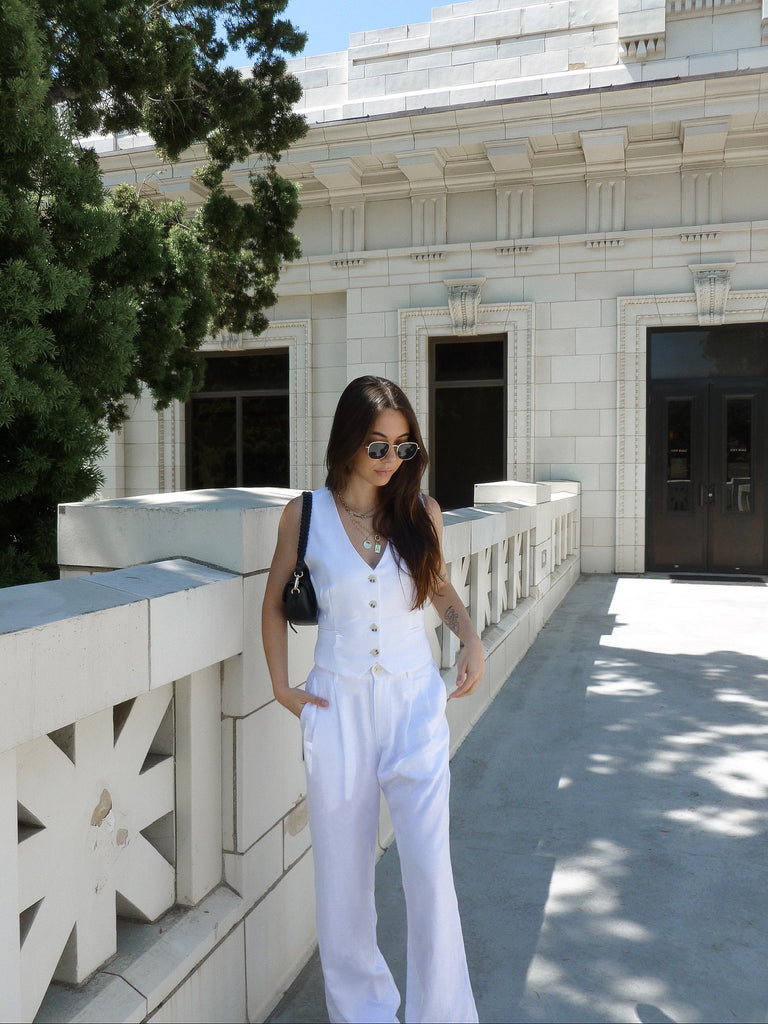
(153, 828)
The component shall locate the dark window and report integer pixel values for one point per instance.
(739, 416)
(679, 439)
(732, 350)
(238, 423)
(469, 417)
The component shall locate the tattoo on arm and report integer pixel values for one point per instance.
(451, 619)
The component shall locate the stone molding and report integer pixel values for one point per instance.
(677, 9)
(169, 454)
(711, 282)
(635, 315)
(350, 261)
(643, 49)
(296, 336)
(516, 321)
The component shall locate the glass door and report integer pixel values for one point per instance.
(736, 491)
(707, 477)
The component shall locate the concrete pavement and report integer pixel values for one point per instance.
(609, 817)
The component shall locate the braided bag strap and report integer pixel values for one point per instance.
(306, 513)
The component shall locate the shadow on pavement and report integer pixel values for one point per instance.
(609, 818)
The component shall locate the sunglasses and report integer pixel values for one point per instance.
(404, 451)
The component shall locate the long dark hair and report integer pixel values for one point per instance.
(402, 516)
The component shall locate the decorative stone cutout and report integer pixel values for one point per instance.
(94, 801)
(683, 8)
(230, 342)
(642, 49)
(604, 243)
(463, 303)
(711, 282)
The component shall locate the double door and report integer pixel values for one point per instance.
(708, 476)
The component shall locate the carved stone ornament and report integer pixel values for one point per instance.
(463, 303)
(230, 342)
(711, 282)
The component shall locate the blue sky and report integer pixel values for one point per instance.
(329, 23)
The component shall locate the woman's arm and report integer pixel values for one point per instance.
(274, 628)
(470, 663)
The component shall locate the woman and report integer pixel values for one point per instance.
(373, 711)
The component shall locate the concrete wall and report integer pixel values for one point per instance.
(153, 825)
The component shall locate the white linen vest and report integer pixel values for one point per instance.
(365, 619)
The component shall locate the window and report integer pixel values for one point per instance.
(469, 417)
(238, 423)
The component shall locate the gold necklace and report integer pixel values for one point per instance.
(355, 518)
(351, 511)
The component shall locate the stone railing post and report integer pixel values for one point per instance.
(10, 959)
(241, 792)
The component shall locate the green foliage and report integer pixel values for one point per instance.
(101, 295)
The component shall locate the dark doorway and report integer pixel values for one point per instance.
(468, 424)
(707, 477)
(238, 423)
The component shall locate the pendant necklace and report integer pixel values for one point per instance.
(357, 519)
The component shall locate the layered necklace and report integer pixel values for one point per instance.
(371, 539)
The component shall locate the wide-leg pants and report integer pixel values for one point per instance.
(387, 733)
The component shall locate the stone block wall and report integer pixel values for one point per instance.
(573, 165)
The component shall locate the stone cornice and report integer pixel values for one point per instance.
(659, 127)
(504, 121)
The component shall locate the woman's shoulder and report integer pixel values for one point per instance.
(290, 517)
(292, 512)
(297, 502)
(431, 505)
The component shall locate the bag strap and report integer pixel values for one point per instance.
(306, 513)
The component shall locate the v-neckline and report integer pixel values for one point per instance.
(343, 529)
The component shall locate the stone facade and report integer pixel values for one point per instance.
(565, 174)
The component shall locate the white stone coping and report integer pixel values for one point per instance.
(230, 528)
(154, 959)
(72, 647)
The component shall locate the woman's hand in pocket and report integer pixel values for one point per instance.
(294, 699)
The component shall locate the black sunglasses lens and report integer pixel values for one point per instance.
(407, 450)
(378, 449)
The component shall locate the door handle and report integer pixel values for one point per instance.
(706, 494)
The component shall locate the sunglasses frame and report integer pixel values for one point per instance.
(396, 447)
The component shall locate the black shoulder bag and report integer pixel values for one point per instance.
(298, 592)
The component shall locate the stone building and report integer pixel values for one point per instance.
(549, 222)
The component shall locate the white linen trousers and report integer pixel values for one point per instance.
(384, 730)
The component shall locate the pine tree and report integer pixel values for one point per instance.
(102, 294)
